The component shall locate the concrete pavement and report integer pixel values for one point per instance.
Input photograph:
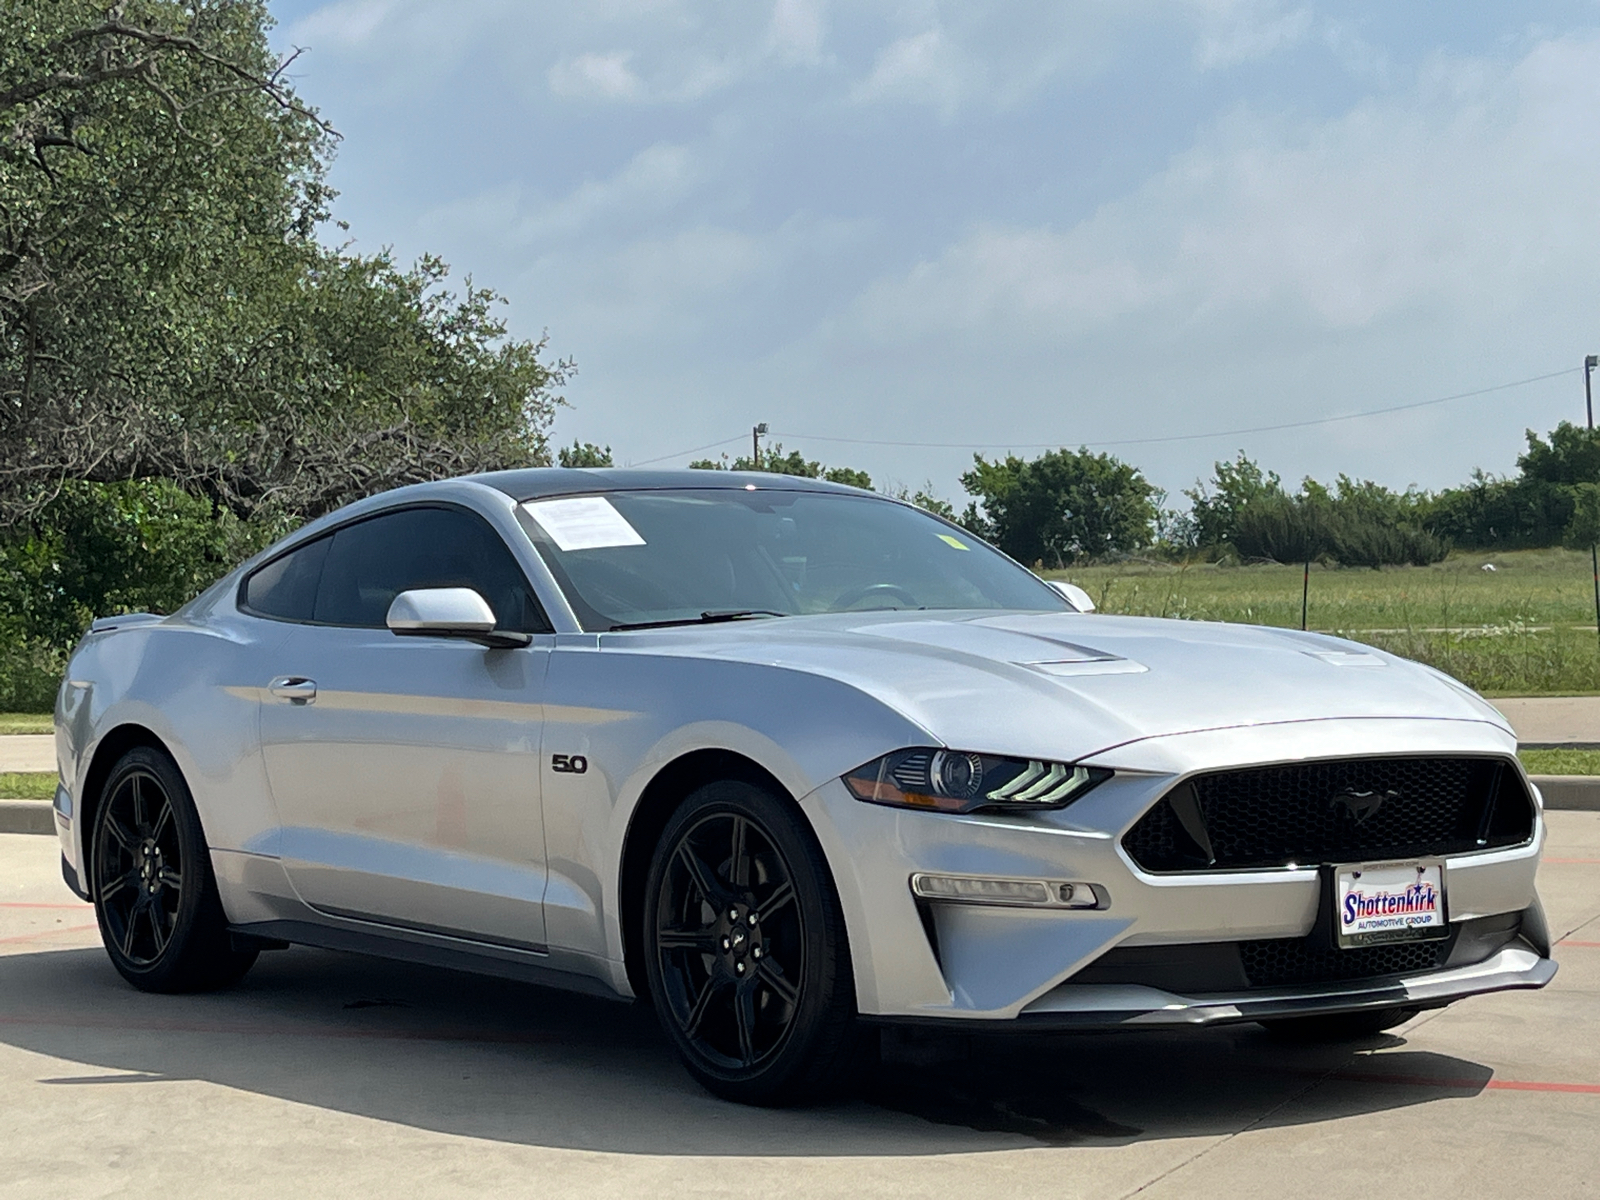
(1553, 721)
(336, 1075)
(27, 752)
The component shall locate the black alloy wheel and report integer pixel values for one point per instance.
(150, 875)
(746, 953)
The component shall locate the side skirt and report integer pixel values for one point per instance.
(474, 957)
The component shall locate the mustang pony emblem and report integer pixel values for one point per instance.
(1358, 806)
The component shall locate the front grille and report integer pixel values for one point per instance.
(1277, 962)
(1348, 810)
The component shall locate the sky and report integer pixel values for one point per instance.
(902, 231)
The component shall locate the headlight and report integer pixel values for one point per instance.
(956, 781)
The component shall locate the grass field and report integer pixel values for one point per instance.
(1524, 629)
(24, 723)
(27, 785)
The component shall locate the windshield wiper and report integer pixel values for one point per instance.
(713, 617)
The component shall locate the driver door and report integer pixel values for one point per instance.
(405, 770)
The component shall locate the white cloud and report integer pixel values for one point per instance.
(652, 181)
(349, 23)
(1235, 33)
(797, 30)
(596, 76)
(924, 68)
(1449, 199)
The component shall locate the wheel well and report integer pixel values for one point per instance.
(106, 755)
(660, 800)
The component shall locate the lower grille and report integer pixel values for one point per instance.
(1228, 968)
(1345, 810)
(1280, 962)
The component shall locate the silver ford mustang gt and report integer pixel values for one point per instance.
(794, 761)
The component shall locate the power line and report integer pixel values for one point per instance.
(681, 453)
(1177, 437)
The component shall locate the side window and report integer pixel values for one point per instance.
(287, 586)
(373, 561)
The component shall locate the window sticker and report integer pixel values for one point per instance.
(951, 541)
(583, 523)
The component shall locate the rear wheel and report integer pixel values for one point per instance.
(745, 949)
(150, 875)
(1340, 1027)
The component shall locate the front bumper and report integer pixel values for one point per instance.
(955, 962)
(1103, 1006)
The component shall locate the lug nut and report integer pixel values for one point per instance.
(756, 953)
(739, 968)
(733, 914)
(753, 919)
(725, 943)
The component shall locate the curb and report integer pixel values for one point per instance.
(1569, 793)
(27, 816)
(1562, 793)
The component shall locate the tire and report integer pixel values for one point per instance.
(150, 877)
(1340, 1027)
(746, 951)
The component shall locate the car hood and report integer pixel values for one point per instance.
(1072, 685)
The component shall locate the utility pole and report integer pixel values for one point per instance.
(755, 445)
(1305, 594)
(1589, 364)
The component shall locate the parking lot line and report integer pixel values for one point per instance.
(29, 937)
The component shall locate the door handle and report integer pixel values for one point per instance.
(296, 689)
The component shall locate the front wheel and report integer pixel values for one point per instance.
(745, 949)
(150, 875)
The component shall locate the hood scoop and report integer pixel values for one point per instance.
(1038, 652)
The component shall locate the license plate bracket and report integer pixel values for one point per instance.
(1379, 903)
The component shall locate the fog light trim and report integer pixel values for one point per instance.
(1016, 893)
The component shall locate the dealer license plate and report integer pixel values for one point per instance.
(1377, 903)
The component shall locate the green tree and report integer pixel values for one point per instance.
(1215, 508)
(102, 548)
(1571, 456)
(584, 454)
(1062, 506)
(775, 462)
(925, 499)
(1583, 530)
(1536, 507)
(166, 310)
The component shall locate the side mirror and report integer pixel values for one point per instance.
(1073, 595)
(453, 612)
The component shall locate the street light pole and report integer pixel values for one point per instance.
(755, 445)
(1589, 364)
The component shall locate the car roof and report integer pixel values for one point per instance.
(538, 482)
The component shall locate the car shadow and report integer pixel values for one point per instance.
(489, 1058)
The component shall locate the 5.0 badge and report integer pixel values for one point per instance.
(569, 764)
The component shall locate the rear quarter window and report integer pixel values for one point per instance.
(286, 588)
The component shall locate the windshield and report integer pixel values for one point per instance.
(638, 558)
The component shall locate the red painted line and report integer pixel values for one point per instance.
(1587, 945)
(1530, 1085)
(84, 906)
(1356, 1075)
(1587, 862)
(28, 937)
